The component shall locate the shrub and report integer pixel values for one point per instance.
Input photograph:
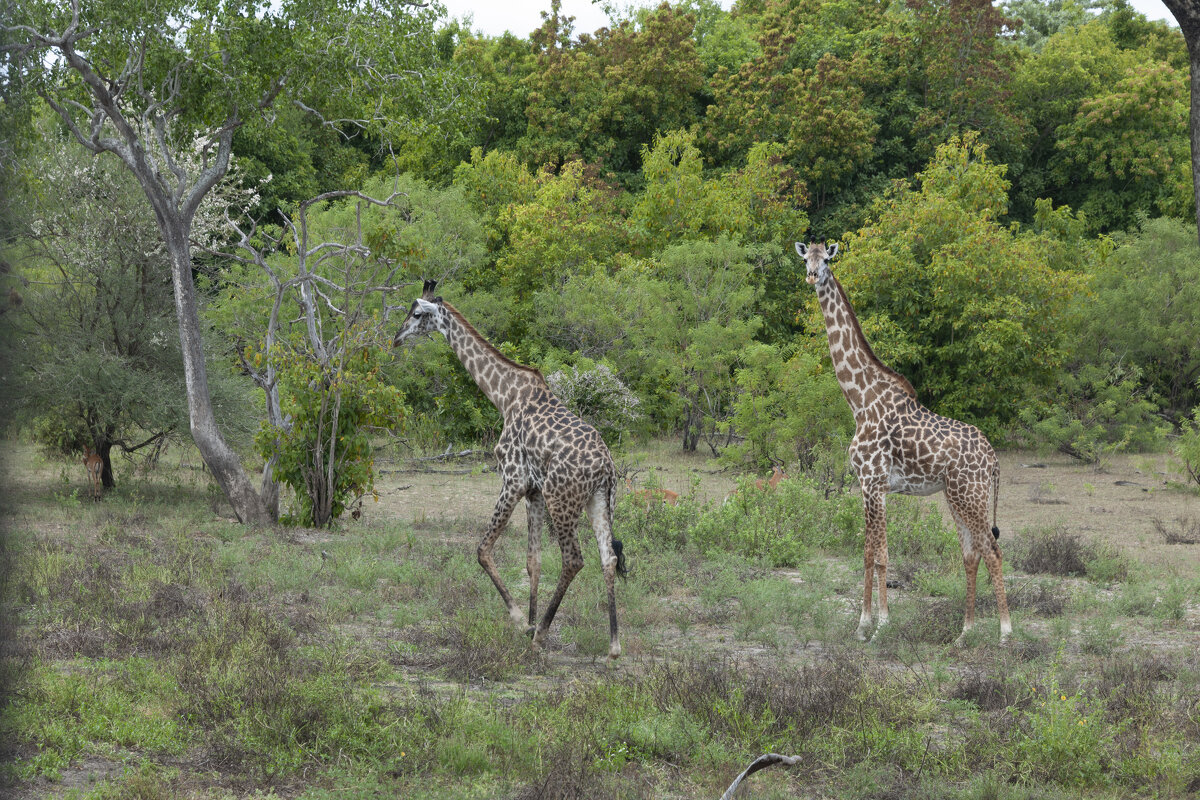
(1058, 551)
(325, 454)
(1186, 450)
(1066, 741)
(1097, 412)
(1054, 552)
(600, 398)
(787, 410)
(780, 526)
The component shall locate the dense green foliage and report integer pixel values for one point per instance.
(325, 453)
(998, 176)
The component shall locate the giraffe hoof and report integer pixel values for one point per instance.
(531, 632)
(861, 635)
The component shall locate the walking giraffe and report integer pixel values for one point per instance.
(902, 447)
(546, 455)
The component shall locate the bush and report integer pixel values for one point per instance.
(599, 398)
(1186, 450)
(1053, 552)
(782, 526)
(786, 410)
(1058, 551)
(326, 455)
(1097, 412)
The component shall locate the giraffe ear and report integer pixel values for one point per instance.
(801, 249)
(438, 299)
(833, 250)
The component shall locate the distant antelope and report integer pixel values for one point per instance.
(762, 484)
(95, 470)
(765, 484)
(653, 495)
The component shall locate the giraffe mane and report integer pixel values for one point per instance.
(491, 348)
(896, 377)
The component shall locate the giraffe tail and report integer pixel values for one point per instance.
(995, 499)
(618, 547)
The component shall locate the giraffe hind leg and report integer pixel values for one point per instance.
(612, 560)
(564, 520)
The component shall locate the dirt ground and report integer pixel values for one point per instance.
(1128, 505)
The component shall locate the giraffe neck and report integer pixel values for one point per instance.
(859, 371)
(499, 377)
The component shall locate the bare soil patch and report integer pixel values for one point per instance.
(1130, 505)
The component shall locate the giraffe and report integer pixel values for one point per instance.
(901, 447)
(546, 455)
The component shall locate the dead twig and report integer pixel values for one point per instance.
(759, 763)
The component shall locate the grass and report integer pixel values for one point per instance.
(160, 652)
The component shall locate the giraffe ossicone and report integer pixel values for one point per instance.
(546, 455)
(901, 447)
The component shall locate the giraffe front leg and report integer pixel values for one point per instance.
(971, 565)
(881, 567)
(504, 508)
(994, 563)
(873, 508)
(535, 509)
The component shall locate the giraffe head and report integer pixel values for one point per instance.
(423, 317)
(817, 257)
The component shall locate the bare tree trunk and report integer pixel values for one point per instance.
(221, 459)
(1187, 14)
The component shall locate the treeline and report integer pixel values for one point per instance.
(1010, 184)
(999, 178)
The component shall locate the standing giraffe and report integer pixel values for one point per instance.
(546, 455)
(902, 447)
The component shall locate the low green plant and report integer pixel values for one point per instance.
(98, 706)
(1064, 741)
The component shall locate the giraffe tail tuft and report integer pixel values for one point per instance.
(619, 549)
(995, 532)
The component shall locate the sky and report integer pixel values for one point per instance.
(521, 17)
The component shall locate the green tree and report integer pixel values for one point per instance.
(1187, 14)
(95, 361)
(1105, 131)
(1143, 307)
(601, 99)
(165, 87)
(1126, 146)
(692, 319)
(758, 203)
(971, 311)
(1041, 19)
(503, 65)
(964, 73)
(569, 226)
(817, 115)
